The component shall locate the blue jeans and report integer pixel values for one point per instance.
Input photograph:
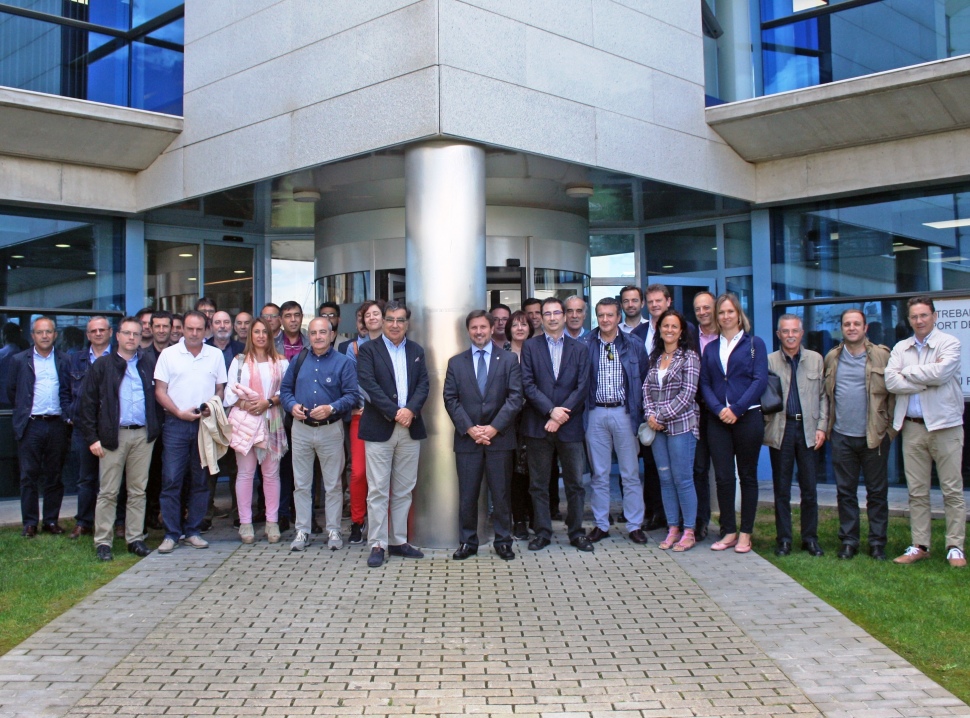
(675, 465)
(180, 450)
(610, 430)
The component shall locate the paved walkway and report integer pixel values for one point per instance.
(626, 631)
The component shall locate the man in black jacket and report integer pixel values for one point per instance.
(118, 421)
(38, 386)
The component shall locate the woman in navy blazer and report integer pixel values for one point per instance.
(734, 374)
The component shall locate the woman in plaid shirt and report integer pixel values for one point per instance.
(670, 407)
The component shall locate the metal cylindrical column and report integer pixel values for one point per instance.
(445, 258)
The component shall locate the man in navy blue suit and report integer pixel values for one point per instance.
(483, 395)
(393, 378)
(555, 378)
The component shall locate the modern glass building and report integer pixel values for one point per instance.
(809, 155)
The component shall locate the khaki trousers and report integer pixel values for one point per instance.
(920, 449)
(325, 443)
(392, 472)
(130, 460)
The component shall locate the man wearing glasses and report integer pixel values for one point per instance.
(208, 308)
(614, 412)
(331, 310)
(393, 378)
(555, 379)
(292, 339)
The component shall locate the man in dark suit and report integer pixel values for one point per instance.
(483, 395)
(38, 384)
(393, 379)
(555, 378)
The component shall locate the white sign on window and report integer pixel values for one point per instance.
(953, 317)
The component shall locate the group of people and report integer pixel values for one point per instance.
(176, 401)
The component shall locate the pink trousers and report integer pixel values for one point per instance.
(246, 464)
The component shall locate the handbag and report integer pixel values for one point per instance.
(646, 434)
(771, 398)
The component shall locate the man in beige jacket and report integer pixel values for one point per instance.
(924, 371)
(796, 433)
(860, 431)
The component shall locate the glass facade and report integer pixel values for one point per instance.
(812, 42)
(120, 52)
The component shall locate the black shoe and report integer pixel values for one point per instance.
(878, 553)
(356, 534)
(637, 536)
(284, 523)
(315, 528)
(621, 519)
(812, 547)
(236, 523)
(848, 551)
(519, 531)
(406, 550)
(539, 543)
(376, 557)
(701, 532)
(582, 543)
(139, 548)
(464, 551)
(29, 532)
(783, 548)
(655, 522)
(205, 526)
(556, 516)
(53, 528)
(610, 519)
(598, 534)
(504, 551)
(104, 553)
(154, 523)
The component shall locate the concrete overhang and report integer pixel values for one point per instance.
(63, 129)
(898, 104)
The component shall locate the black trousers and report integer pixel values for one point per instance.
(740, 441)
(653, 502)
(794, 451)
(850, 456)
(42, 452)
(541, 454)
(702, 472)
(495, 467)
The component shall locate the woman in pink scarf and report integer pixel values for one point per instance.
(253, 389)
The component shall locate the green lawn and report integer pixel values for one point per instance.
(41, 578)
(920, 611)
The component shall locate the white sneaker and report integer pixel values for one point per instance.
(196, 542)
(301, 541)
(167, 546)
(335, 541)
(956, 557)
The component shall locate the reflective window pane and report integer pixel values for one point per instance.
(612, 255)
(737, 244)
(172, 281)
(144, 10)
(559, 283)
(683, 250)
(744, 288)
(229, 276)
(349, 288)
(612, 202)
(156, 79)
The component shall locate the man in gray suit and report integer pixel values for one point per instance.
(483, 395)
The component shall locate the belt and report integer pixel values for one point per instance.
(794, 417)
(132, 426)
(45, 417)
(314, 423)
(914, 419)
(610, 404)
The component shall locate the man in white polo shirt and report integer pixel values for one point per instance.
(187, 375)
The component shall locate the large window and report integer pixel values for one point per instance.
(121, 52)
(811, 42)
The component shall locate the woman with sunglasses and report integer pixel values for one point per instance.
(670, 408)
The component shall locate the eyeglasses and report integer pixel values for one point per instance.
(129, 334)
(550, 315)
(609, 351)
(329, 315)
(395, 320)
(269, 316)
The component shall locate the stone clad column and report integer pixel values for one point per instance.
(445, 259)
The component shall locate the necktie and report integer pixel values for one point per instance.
(482, 371)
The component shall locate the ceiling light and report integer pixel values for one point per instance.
(239, 271)
(668, 266)
(186, 254)
(16, 256)
(192, 279)
(903, 248)
(834, 235)
(799, 5)
(306, 194)
(63, 246)
(92, 274)
(949, 224)
(579, 191)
